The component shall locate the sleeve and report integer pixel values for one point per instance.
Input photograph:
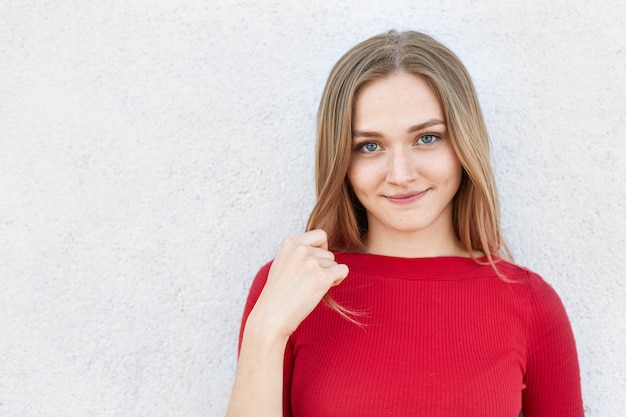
(552, 372)
(255, 292)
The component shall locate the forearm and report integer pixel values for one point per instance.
(300, 275)
(258, 387)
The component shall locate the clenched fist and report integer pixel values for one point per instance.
(301, 274)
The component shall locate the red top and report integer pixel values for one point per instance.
(439, 337)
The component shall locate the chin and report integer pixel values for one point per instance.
(407, 228)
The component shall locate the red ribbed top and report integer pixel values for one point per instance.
(439, 337)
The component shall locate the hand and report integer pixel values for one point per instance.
(301, 274)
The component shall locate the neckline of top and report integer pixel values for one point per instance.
(439, 267)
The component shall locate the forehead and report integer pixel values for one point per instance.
(399, 98)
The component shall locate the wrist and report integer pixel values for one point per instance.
(264, 332)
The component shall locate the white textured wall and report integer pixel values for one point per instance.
(154, 154)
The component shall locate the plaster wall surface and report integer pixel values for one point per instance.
(153, 155)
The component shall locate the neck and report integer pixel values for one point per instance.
(412, 247)
(435, 241)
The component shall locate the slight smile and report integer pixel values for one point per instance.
(406, 198)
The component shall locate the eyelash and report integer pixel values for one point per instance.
(434, 135)
(361, 146)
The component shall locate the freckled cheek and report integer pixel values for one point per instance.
(452, 173)
(447, 167)
(364, 176)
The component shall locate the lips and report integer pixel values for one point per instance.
(406, 198)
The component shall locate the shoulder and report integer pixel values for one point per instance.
(545, 309)
(537, 290)
(534, 283)
(258, 283)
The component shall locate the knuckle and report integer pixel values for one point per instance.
(290, 241)
(321, 280)
(311, 263)
(301, 250)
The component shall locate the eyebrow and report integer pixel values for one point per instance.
(412, 129)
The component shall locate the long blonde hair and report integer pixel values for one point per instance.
(476, 216)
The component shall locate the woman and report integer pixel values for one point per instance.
(404, 245)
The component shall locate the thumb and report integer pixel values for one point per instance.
(340, 272)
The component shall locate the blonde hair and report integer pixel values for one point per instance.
(476, 216)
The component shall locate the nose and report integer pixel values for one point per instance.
(402, 167)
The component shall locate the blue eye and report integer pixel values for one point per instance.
(428, 139)
(369, 147)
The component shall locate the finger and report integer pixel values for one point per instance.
(326, 263)
(317, 238)
(340, 272)
(322, 253)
